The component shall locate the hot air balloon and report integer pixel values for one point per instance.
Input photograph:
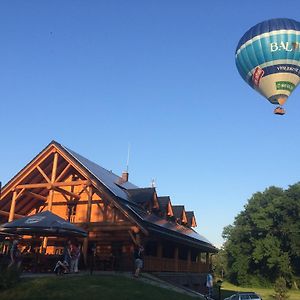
(268, 59)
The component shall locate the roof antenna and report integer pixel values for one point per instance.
(128, 155)
(153, 183)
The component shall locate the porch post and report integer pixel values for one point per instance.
(88, 220)
(159, 255)
(159, 249)
(208, 265)
(189, 260)
(176, 258)
(51, 194)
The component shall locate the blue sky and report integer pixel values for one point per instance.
(158, 74)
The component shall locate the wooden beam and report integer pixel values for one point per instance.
(88, 220)
(63, 191)
(53, 176)
(29, 205)
(54, 168)
(89, 207)
(6, 214)
(43, 174)
(12, 207)
(176, 255)
(133, 237)
(29, 168)
(34, 186)
(15, 197)
(20, 194)
(71, 183)
(50, 185)
(63, 172)
(159, 249)
(38, 196)
(189, 256)
(81, 202)
(51, 192)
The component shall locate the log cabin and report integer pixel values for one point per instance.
(116, 213)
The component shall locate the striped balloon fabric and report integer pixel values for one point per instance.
(268, 58)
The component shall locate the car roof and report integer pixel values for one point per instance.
(246, 293)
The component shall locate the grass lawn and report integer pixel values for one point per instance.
(88, 287)
(266, 293)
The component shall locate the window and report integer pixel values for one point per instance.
(245, 297)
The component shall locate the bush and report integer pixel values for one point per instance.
(281, 291)
(9, 277)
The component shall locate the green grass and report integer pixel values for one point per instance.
(88, 287)
(266, 293)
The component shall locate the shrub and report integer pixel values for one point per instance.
(281, 291)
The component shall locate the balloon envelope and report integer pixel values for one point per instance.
(268, 58)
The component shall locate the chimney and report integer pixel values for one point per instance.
(125, 176)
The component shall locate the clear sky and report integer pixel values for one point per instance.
(158, 74)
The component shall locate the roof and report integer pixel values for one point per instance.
(178, 210)
(110, 180)
(163, 202)
(165, 205)
(172, 230)
(190, 215)
(141, 195)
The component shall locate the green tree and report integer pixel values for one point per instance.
(264, 241)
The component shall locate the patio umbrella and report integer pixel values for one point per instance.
(43, 224)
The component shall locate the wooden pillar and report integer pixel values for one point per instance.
(199, 262)
(159, 250)
(189, 260)
(53, 177)
(51, 193)
(208, 266)
(176, 254)
(159, 256)
(12, 207)
(88, 220)
(89, 207)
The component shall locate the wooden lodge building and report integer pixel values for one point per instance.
(115, 212)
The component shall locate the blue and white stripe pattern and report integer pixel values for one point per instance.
(273, 48)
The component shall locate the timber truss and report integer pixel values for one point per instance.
(33, 188)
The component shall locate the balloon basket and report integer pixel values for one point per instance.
(279, 111)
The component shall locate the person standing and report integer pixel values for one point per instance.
(75, 255)
(138, 260)
(209, 284)
(67, 256)
(92, 257)
(15, 255)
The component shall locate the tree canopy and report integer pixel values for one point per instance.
(263, 244)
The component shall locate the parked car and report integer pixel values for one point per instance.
(244, 296)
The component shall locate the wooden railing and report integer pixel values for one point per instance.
(156, 264)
